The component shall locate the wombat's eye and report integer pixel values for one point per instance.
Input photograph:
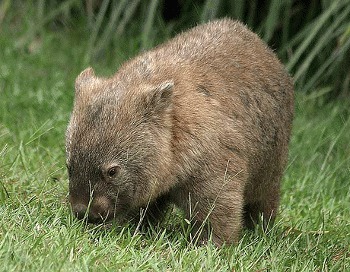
(113, 171)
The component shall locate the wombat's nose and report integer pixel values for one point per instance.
(80, 210)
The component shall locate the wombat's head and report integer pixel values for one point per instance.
(117, 145)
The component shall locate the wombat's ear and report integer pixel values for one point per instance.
(84, 78)
(159, 98)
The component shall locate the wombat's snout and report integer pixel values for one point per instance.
(79, 210)
(97, 212)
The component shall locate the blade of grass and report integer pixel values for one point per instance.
(40, 132)
(286, 22)
(252, 13)
(326, 37)
(237, 9)
(95, 31)
(146, 33)
(210, 10)
(89, 6)
(272, 19)
(40, 24)
(337, 54)
(333, 143)
(4, 7)
(127, 17)
(318, 24)
(117, 9)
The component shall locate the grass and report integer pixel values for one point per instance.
(38, 233)
(311, 37)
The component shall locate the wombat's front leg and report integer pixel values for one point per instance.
(225, 218)
(216, 212)
(154, 213)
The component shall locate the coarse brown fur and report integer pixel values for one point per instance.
(202, 121)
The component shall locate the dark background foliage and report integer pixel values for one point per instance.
(311, 37)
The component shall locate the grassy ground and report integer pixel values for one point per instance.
(38, 233)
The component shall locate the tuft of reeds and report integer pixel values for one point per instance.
(312, 38)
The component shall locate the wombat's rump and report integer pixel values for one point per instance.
(202, 121)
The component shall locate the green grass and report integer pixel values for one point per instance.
(311, 37)
(38, 233)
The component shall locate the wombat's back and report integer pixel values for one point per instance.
(224, 66)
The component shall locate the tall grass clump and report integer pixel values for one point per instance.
(312, 38)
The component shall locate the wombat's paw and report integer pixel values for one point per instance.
(199, 234)
(204, 238)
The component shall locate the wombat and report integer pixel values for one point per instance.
(202, 121)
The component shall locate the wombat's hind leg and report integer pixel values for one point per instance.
(250, 215)
(222, 222)
(254, 213)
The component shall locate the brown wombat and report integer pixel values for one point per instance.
(202, 121)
